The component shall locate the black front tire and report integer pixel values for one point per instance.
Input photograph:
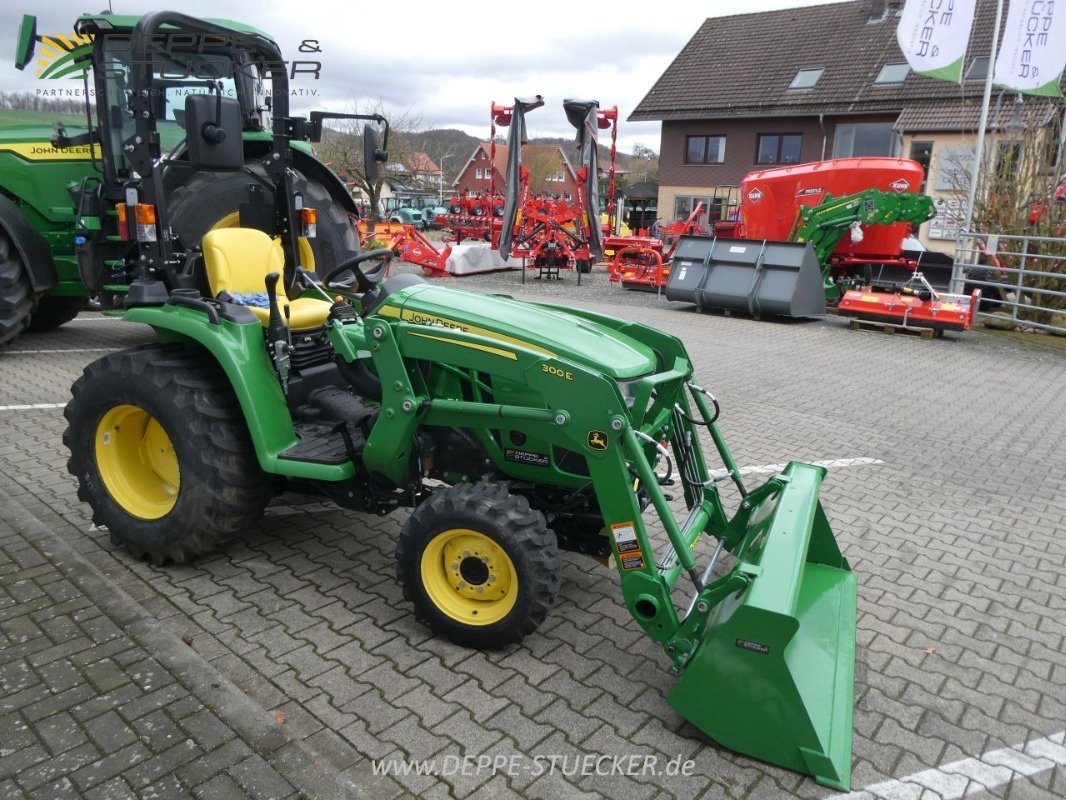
(491, 511)
(16, 294)
(221, 492)
(52, 312)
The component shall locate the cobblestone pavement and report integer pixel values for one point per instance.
(290, 661)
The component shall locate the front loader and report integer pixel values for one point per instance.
(513, 430)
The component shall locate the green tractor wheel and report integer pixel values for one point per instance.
(161, 452)
(16, 295)
(479, 566)
(51, 312)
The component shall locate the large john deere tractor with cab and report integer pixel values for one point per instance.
(512, 430)
(60, 237)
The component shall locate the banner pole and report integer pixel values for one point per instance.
(983, 124)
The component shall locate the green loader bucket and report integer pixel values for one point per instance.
(773, 675)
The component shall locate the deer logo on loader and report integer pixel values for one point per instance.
(597, 440)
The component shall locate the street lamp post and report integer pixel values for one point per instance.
(442, 179)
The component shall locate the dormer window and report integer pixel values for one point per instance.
(806, 78)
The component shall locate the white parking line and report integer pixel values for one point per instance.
(971, 775)
(32, 406)
(770, 469)
(71, 350)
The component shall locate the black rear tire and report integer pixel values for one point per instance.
(16, 294)
(221, 492)
(491, 512)
(52, 312)
(206, 198)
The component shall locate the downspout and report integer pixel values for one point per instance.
(821, 124)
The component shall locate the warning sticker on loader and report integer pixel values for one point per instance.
(625, 537)
(754, 647)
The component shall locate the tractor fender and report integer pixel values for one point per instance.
(314, 169)
(31, 246)
(237, 347)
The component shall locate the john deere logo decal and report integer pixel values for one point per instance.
(597, 440)
(59, 55)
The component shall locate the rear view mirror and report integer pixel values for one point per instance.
(213, 132)
(27, 41)
(372, 156)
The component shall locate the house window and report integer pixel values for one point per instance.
(704, 149)
(556, 177)
(978, 69)
(683, 205)
(865, 139)
(779, 148)
(806, 78)
(479, 174)
(922, 152)
(893, 73)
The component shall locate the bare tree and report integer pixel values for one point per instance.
(1020, 171)
(342, 149)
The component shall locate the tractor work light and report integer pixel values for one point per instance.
(308, 222)
(144, 222)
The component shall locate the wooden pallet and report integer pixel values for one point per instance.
(888, 327)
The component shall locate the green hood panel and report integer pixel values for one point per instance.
(551, 331)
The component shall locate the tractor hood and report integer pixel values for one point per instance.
(553, 332)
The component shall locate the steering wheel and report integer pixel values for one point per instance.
(365, 280)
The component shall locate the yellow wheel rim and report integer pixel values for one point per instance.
(307, 255)
(469, 577)
(137, 462)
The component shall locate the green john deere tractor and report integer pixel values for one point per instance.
(60, 238)
(513, 430)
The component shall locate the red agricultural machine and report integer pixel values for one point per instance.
(833, 226)
(639, 262)
(407, 243)
(474, 216)
(550, 233)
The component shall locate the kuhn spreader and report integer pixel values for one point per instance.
(840, 223)
(555, 233)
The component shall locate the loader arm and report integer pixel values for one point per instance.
(824, 225)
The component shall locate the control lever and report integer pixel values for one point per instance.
(278, 332)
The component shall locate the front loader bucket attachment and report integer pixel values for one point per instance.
(773, 675)
(752, 276)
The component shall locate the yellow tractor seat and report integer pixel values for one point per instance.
(238, 260)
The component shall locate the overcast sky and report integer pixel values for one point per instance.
(444, 61)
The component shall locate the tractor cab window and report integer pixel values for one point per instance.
(180, 76)
(173, 79)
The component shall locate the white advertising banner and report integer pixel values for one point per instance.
(933, 35)
(1033, 50)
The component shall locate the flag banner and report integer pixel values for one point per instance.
(1033, 49)
(933, 34)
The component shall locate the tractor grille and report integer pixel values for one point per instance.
(310, 349)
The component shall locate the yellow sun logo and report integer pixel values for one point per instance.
(61, 55)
